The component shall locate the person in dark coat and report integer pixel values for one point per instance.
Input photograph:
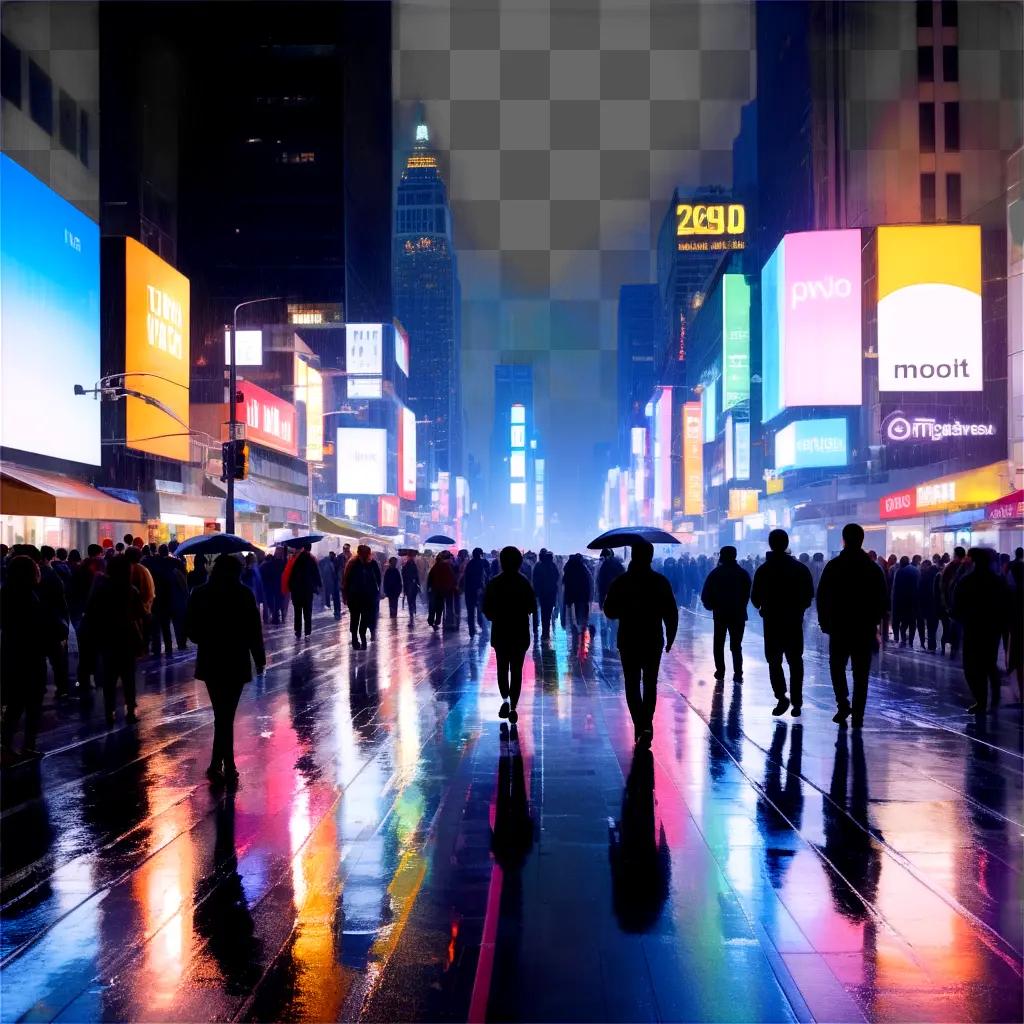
(410, 585)
(441, 585)
(906, 582)
(198, 574)
(392, 586)
(783, 590)
(327, 578)
(545, 586)
(303, 584)
(508, 603)
(359, 590)
(27, 630)
(981, 604)
(252, 579)
(223, 621)
(642, 602)
(725, 594)
(270, 574)
(927, 608)
(951, 574)
(610, 569)
(475, 574)
(115, 622)
(338, 570)
(852, 599)
(171, 590)
(578, 591)
(53, 593)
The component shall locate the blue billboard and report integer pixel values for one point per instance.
(772, 277)
(49, 320)
(812, 444)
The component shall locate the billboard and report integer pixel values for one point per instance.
(693, 461)
(663, 453)
(364, 344)
(974, 488)
(309, 394)
(709, 227)
(407, 454)
(929, 308)
(269, 420)
(364, 387)
(737, 449)
(735, 341)
(49, 321)
(811, 322)
(362, 460)
(248, 348)
(709, 410)
(156, 360)
(402, 349)
(742, 502)
(387, 511)
(812, 444)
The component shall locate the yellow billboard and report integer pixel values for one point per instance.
(156, 360)
(742, 503)
(309, 392)
(693, 460)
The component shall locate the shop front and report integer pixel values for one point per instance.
(39, 507)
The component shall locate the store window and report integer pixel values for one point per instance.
(926, 126)
(928, 198)
(40, 97)
(951, 63)
(953, 209)
(951, 118)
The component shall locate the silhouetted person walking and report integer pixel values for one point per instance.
(981, 604)
(545, 585)
(303, 581)
(509, 601)
(610, 569)
(852, 599)
(906, 582)
(645, 607)
(783, 590)
(474, 579)
(725, 594)
(359, 588)
(441, 584)
(392, 586)
(578, 590)
(224, 622)
(410, 585)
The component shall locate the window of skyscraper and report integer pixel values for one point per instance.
(40, 97)
(925, 64)
(953, 212)
(951, 63)
(926, 126)
(924, 13)
(67, 114)
(951, 117)
(10, 71)
(928, 198)
(950, 14)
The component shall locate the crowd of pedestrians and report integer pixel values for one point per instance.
(123, 600)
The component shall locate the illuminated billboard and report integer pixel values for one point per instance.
(156, 361)
(364, 387)
(735, 341)
(737, 449)
(364, 344)
(269, 420)
(742, 503)
(708, 227)
(929, 308)
(812, 444)
(407, 454)
(248, 348)
(811, 322)
(387, 511)
(693, 460)
(362, 460)
(973, 488)
(663, 453)
(709, 409)
(309, 394)
(49, 321)
(402, 349)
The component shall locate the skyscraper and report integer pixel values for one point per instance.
(640, 341)
(427, 300)
(513, 446)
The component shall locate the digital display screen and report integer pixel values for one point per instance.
(248, 348)
(362, 454)
(49, 320)
(269, 420)
(812, 444)
(407, 454)
(402, 349)
(735, 341)
(364, 346)
(703, 226)
(693, 461)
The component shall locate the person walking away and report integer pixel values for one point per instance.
(270, 570)
(578, 590)
(359, 589)
(852, 600)
(981, 603)
(726, 593)
(28, 629)
(115, 622)
(782, 591)
(905, 583)
(338, 567)
(410, 585)
(545, 586)
(326, 567)
(610, 569)
(643, 604)
(508, 603)
(474, 579)
(171, 596)
(378, 579)
(440, 585)
(54, 597)
(392, 586)
(303, 584)
(224, 623)
(954, 568)
(251, 578)
(927, 610)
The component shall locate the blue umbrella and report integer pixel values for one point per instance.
(625, 536)
(215, 544)
(439, 538)
(297, 542)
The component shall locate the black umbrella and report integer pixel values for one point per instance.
(215, 544)
(297, 542)
(439, 538)
(625, 536)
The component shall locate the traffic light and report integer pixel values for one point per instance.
(235, 458)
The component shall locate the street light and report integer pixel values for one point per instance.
(229, 501)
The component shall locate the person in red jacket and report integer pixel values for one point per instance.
(441, 584)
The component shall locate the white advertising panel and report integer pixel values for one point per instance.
(364, 345)
(362, 460)
(364, 387)
(248, 348)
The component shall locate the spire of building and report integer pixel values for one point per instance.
(422, 156)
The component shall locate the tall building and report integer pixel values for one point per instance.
(427, 301)
(513, 440)
(641, 338)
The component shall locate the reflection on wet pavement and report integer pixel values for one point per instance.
(393, 853)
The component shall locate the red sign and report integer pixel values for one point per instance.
(1011, 506)
(898, 505)
(387, 511)
(269, 420)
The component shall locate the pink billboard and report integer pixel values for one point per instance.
(812, 321)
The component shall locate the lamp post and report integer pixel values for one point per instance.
(229, 503)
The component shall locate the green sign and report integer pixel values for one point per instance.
(735, 341)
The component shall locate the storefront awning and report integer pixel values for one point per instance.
(36, 492)
(1008, 509)
(344, 528)
(171, 507)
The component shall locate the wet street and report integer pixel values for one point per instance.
(391, 854)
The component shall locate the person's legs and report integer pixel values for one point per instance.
(410, 600)
(393, 605)
(545, 619)
(297, 609)
(503, 664)
(632, 673)
(718, 647)
(108, 676)
(216, 753)
(165, 628)
(860, 666)
(838, 655)
(774, 648)
(795, 657)
(651, 665)
(336, 601)
(736, 646)
(993, 677)
(127, 672)
(515, 686)
(353, 622)
(307, 612)
(974, 673)
(471, 614)
(228, 706)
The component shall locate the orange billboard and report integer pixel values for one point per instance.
(156, 359)
(693, 460)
